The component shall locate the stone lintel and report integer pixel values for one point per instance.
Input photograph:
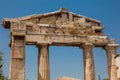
(99, 41)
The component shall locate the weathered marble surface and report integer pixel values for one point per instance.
(57, 28)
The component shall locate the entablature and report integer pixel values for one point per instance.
(60, 27)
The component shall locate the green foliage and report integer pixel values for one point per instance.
(2, 77)
(105, 79)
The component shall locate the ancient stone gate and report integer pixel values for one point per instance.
(57, 28)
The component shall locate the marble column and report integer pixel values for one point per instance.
(43, 62)
(111, 53)
(17, 60)
(89, 72)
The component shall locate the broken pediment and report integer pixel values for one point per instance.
(57, 28)
(60, 22)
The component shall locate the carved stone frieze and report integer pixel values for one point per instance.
(18, 28)
(65, 28)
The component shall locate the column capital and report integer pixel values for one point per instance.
(87, 45)
(42, 45)
(109, 46)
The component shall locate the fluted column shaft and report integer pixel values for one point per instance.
(17, 60)
(111, 53)
(89, 72)
(43, 63)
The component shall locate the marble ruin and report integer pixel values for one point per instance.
(117, 59)
(57, 28)
(67, 78)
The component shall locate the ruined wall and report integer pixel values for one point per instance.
(118, 66)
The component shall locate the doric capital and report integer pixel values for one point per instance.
(111, 46)
(87, 45)
(42, 45)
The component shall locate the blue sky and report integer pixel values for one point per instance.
(65, 61)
